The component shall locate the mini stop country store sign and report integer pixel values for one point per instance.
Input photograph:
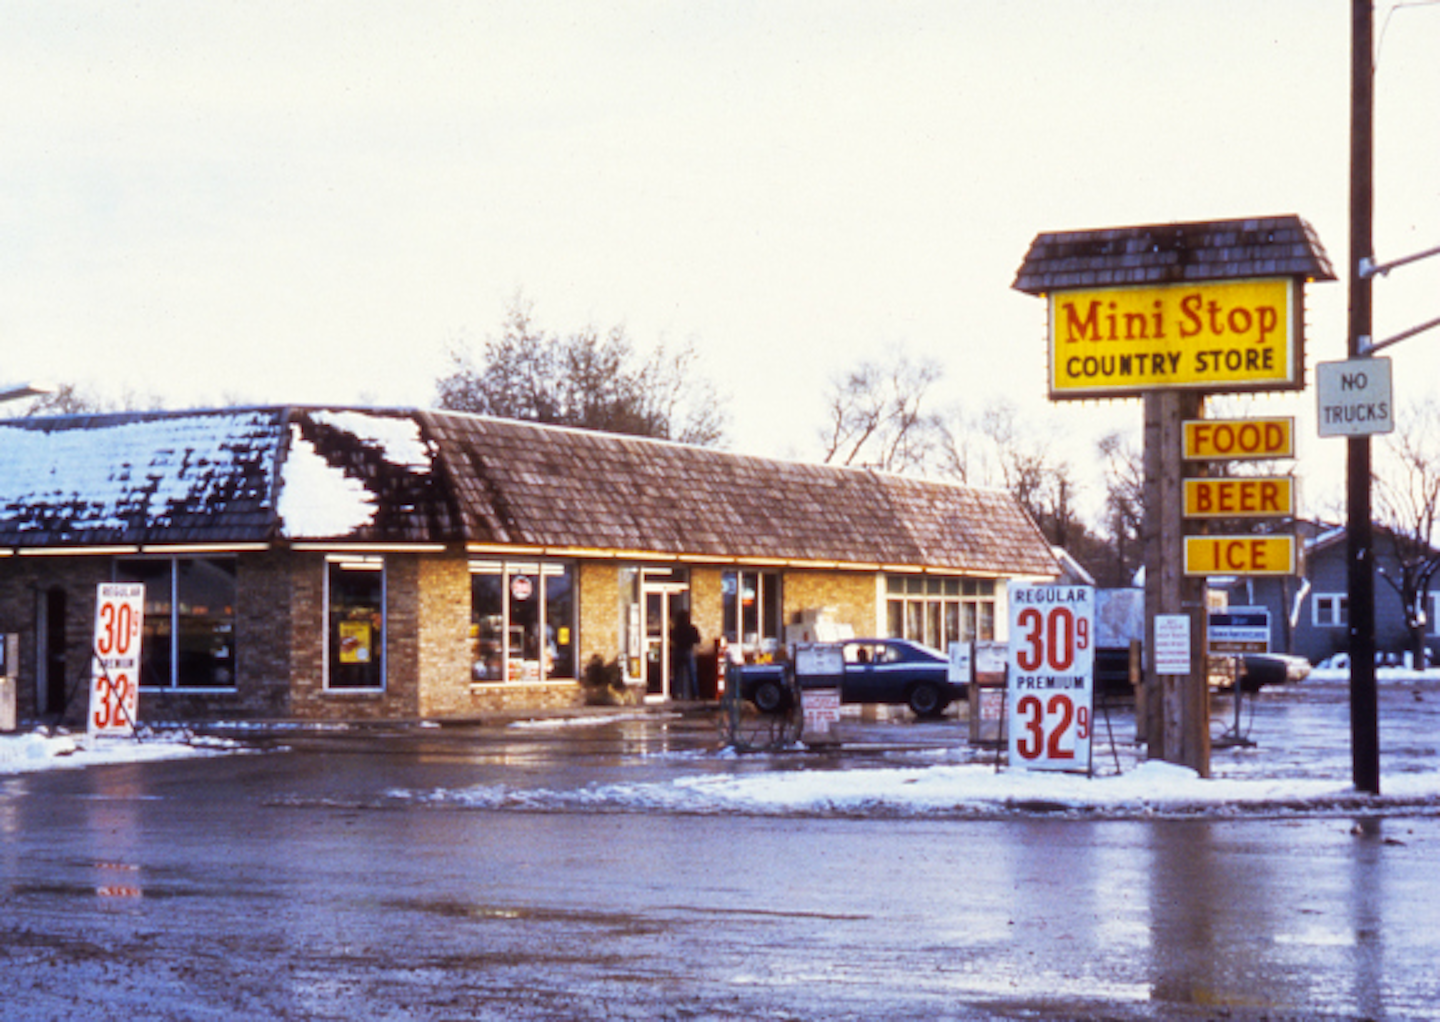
(1213, 335)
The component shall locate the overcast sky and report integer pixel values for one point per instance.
(312, 202)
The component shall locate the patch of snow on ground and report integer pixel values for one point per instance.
(560, 723)
(39, 750)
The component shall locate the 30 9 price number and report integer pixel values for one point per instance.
(1050, 640)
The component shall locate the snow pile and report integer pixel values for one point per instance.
(1150, 789)
(39, 750)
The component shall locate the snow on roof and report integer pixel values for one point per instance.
(398, 439)
(317, 499)
(404, 476)
(123, 478)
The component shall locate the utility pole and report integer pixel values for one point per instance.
(1364, 723)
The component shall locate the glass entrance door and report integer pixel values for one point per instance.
(664, 593)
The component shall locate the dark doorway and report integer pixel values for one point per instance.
(51, 659)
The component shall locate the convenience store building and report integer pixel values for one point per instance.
(360, 564)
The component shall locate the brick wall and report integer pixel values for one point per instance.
(444, 636)
(855, 598)
(707, 605)
(601, 611)
(24, 583)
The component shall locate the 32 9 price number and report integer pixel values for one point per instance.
(112, 702)
(1050, 639)
(1048, 728)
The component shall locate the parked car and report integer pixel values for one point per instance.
(893, 671)
(1260, 669)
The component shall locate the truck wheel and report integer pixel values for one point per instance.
(769, 697)
(925, 700)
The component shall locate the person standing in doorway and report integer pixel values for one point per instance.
(684, 637)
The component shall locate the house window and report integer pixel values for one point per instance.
(935, 611)
(1331, 610)
(751, 610)
(355, 602)
(522, 620)
(189, 632)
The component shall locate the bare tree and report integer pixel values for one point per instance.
(1043, 483)
(65, 399)
(1407, 485)
(877, 416)
(587, 380)
(1124, 500)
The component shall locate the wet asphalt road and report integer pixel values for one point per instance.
(296, 885)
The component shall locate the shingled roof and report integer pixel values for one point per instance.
(278, 475)
(1156, 254)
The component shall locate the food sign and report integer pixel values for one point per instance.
(115, 665)
(1052, 666)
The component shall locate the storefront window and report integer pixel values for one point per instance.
(752, 618)
(937, 611)
(355, 595)
(189, 641)
(522, 620)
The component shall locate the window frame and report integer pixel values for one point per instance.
(356, 563)
(928, 608)
(769, 610)
(542, 572)
(175, 616)
(1336, 613)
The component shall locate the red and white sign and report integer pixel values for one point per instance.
(1051, 684)
(821, 711)
(115, 658)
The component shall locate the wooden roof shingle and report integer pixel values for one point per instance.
(347, 475)
(1177, 253)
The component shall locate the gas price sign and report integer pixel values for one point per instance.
(1051, 686)
(115, 665)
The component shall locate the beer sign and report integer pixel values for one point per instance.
(1240, 497)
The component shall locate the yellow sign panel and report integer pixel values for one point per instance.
(1250, 497)
(1221, 335)
(1236, 439)
(1239, 555)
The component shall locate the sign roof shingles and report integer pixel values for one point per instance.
(1177, 253)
